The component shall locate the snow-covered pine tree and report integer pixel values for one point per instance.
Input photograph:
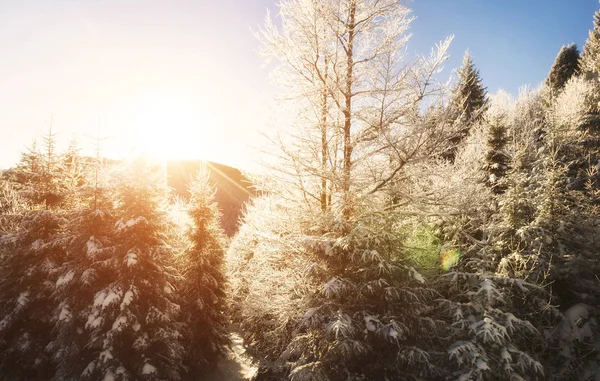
(40, 173)
(362, 309)
(31, 256)
(468, 102)
(72, 168)
(492, 336)
(564, 67)
(590, 58)
(51, 180)
(27, 171)
(203, 289)
(496, 158)
(574, 282)
(90, 262)
(132, 320)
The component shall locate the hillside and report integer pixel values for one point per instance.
(233, 189)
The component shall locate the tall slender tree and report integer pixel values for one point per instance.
(203, 292)
(343, 61)
(590, 58)
(496, 159)
(468, 102)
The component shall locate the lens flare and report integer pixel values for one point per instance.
(450, 259)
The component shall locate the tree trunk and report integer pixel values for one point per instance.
(324, 150)
(347, 204)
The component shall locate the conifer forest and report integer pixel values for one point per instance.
(403, 228)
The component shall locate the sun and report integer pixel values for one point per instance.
(172, 127)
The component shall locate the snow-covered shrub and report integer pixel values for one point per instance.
(491, 336)
(12, 207)
(579, 343)
(266, 274)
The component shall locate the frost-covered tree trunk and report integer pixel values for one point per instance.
(354, 51)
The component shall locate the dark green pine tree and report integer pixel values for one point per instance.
(132, 322)
(565, 66)
(203, 292)
(496, 159)
(468, 102)
(590, 58)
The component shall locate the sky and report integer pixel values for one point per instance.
(183, 78)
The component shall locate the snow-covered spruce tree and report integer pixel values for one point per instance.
(492, 336)
(533, 236)
(73, 168)
(90, 263)
(590, 57)
(496, 158)
(203, 290)
(41, 175)
(33, 253)
(468, 102)
(363, 309)
(132, 320)
(31, 256)
(574, 281)
(564, 67)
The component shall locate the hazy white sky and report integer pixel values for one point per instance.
(183, 77)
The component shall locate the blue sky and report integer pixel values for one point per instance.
(183, 76)
(513, 42)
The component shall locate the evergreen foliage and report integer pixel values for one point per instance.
(496, 159)
(590, 58)
(365, 257)
(468, 102)
(203, 291)
(90, 262)
(132, 321)
(565, 66)
(31, 257)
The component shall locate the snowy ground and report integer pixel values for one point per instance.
(238, 365)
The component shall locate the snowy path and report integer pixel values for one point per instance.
(237, 366)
